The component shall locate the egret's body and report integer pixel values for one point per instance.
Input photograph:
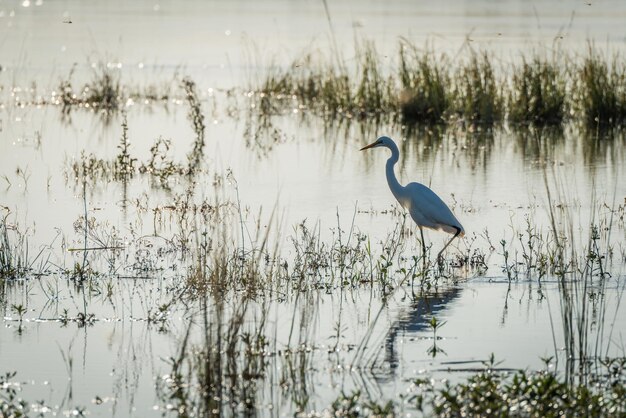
(425, 207)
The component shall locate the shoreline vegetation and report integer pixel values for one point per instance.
(417, 87)
(476, 88)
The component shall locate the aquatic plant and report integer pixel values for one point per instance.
(160, 165)
(356, 404)
(15, 259)
(477, 95)
(600, 90)
(196, 117)
(524, 393)
(122, 168)
(372, 95)
(103, 91)
(422, 88)
(425, 83)
(538, 92)
(10, 262)
(124, 164)
(11, 404)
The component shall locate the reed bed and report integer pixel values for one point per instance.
(477, 88)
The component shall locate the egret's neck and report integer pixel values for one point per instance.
(394, 185)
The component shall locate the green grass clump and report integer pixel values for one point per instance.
(356, 405)
(13, 250)
(601, 90)
(327, 89)
(373, 91)
(537, 94)
(104, 91)
(11, 404)
(425, 95)
(421, 88)
(527, 394)
(477, 95)
(196, 117)
(492, 393)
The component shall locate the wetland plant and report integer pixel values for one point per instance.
(15, 259)
(537, 93)
(422, 88)
(11, 404)
(12, 260)
(124, 163)
(196, 117)
(103, 92)
(219, 372)
(477, 95)
(523, 394)
(373, 92)
(497, 393)
(600, 90)
(161, 164)
(435, 325)
(582, 281)
(425, 83)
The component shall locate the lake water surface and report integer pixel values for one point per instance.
(119, 361)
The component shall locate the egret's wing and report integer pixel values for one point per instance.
(427, 209)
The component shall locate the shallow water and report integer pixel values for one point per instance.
(306, 171)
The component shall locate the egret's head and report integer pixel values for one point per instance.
(383, 141)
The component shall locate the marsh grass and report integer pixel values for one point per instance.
(102, 93)
(16, 260)
(373, 90)
(161, 164)
(196, 117)
(524, 393)
(600, 89)
(478, 91)
(583, 281)
(475, 87)
(425, 83)
(220, 372)
(228, 359)
(538, 92)
(314, 83)
(12, 253)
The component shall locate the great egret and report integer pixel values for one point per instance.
(426, 208)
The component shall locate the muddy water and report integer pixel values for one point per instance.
(109, 364)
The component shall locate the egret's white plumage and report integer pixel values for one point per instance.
(425, 207)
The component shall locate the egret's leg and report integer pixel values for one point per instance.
(423, 248)
(423, 242)
(458, 231)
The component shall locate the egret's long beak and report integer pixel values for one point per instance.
(372, 145)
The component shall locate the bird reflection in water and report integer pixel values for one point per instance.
(413, 321)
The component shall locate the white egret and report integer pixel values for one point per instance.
(425, 207)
